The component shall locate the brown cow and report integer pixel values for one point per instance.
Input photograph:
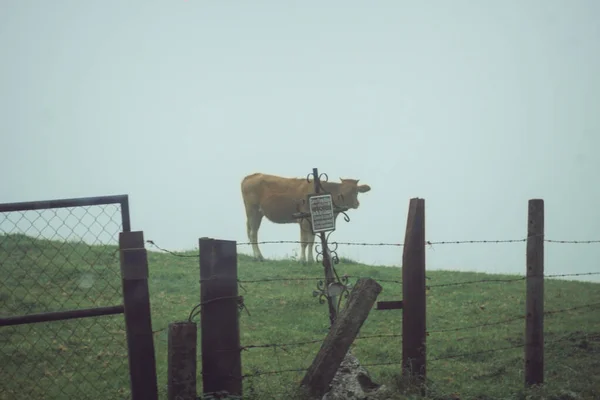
(279, 198)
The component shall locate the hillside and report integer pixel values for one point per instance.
(62, 357)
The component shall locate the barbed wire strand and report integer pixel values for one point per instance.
(569, 336)
(510, 320)
(245, 376)
(514, 319)
(477, 281)
(384, 244)
(304, 278)
(313, 341)
(283, 346)
(508, 280)
(519, 345)
(362, 337)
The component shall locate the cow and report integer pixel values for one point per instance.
(278, 198)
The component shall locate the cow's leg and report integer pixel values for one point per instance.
(304, 226)
(307, 238)
(254, 218)
(311, 246)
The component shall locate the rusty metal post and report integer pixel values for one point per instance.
(413, 291)
(534, 302)
(327, 263)
(138, 322)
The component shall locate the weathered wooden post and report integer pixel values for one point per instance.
(138, 323)
(181, 368)
(413, 291)
(219, 318)
(340, 337)
(534, 303)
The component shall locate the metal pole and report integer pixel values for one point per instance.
(329, 278)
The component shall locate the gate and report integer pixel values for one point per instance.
(61, 296)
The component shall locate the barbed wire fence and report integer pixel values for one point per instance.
(283, 347)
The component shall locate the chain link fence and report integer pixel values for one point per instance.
(62, 335)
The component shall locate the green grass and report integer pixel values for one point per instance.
(87, 357)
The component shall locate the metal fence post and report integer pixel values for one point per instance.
(219, 317)
(534, 303)
(138, 323)
(181, 370)
(413, 291)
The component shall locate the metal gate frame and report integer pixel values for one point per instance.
(136, 308)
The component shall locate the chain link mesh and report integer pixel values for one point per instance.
(62, 259)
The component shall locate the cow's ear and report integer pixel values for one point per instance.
(364, 188)
(341, 179)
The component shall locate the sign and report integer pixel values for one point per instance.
(321, 213)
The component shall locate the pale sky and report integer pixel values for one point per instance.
(476, 106)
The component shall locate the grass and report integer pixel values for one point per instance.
(87, 358)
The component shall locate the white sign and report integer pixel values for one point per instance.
(321, 213)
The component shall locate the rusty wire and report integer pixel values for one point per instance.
(363, 337)
(451, 356)
(274, 372)
(283, 346)
(508, 280)
(428, 242)
(196, 310)
(519, 345)
(494, 350)
(383, 244)
(514, 319)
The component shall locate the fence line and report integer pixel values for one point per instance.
(507, 280)
(362, 337)
(470, 282)
(569, 336)
(383, 244)
(284, 346)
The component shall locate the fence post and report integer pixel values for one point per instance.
(534, 303)
(341, 335)
(138, 323)
(181, 368)
(413, 292)
(221, 352)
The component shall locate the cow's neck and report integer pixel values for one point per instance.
(331, 187)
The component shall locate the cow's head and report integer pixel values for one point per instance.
(348, 193)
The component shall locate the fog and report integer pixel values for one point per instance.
(476, 107)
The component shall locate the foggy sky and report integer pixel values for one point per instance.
(475, 106)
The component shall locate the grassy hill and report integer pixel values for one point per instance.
(87, 357)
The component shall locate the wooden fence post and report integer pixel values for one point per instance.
(138, 322)
(221, 352)
(341, 335)
(181, 368)
(534, 304)
(413, 292)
